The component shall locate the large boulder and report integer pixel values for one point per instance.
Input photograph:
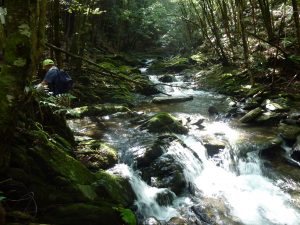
(165, 172)
(289, 132)
(57, 178)
(164, 122)
(83, 213)
(96, 155)
(160, 169)
(270, 118)
(153, 152)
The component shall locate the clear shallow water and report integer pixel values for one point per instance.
(236, 190)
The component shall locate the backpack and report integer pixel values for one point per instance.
(64, 82)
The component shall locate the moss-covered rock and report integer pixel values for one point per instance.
(114, 188)
(83, 213)
(57, 178)
(289, 132)
(95, 110)
(164, 122)
(252, 115)
(96, 155)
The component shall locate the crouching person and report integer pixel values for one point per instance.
(55, 80)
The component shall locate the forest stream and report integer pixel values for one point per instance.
(230, 185)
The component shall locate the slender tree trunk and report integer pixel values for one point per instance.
(225, 20)
(254, 20)
(296, 20)
(203, 27)
(241, 9)
(56, 31)
(266, 16)
(209, 12)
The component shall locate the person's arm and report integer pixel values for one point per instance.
(43, 86)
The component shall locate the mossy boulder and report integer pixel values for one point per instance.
(96, 155)
(114, 188)
(164, 122)
(95, 110)
(57, 178)
(83, 213)
(270, 118)
(289, 132)
(252, 115)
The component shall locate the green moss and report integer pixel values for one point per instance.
(96, 110)
(127, 216)
(114, 187)
(165, 122)
(199, 58)
(99, 155)
(108, 66)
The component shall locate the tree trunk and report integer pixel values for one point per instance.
(21, 48)
(56, 31)
(241, 9)
(209, 12)
(266, 16)
(296, 20)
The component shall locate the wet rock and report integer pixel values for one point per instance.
(296, 150)
(234, 112)
(167, 78)
(96, 155)
(276, 105)
(164, 122)
(252, 115)
(291, 121)
(294, 116)
(212, 144)
(271, 149)
(177, 221)
(155, 151)
(172, 99)
(212, 111)
(270, 118)
(95, 110)
(199, 123)
(165, 171)
(165, 198)
(151, 221)
(202, 216)
(289, 132)
(251, 104)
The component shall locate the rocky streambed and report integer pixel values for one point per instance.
(207, 160)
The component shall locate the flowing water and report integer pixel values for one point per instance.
(233, 186)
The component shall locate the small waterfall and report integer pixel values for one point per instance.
(146, 195)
